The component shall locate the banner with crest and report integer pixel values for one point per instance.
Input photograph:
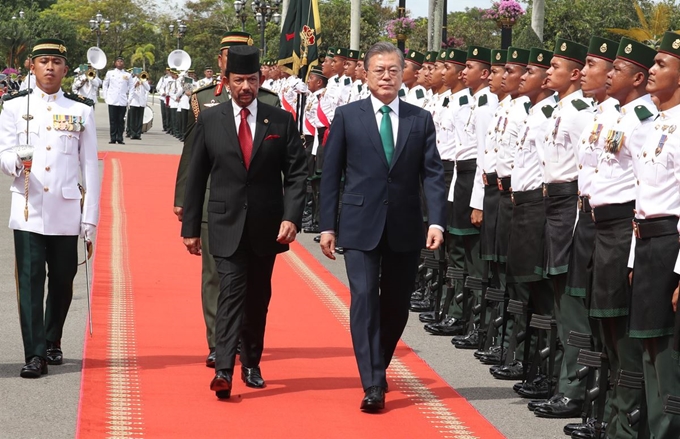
(300, 38)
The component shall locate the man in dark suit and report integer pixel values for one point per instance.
(254, 157)
(380, 225)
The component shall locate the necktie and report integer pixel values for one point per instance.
(245, 137)
(386, 134)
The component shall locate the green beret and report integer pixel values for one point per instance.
(341, 52)
(415, 57)
(670, 44)
(456, 56)
(570, 50)
(479, 54)
(498, 57)
(540, 57)
(602, 48)
(331, 52)
(441, 56)
(235, 39)
(637, 53)
(431, 57)
(49, 47)
(518, 56)
(353, 55)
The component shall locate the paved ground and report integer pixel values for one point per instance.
(47, 407)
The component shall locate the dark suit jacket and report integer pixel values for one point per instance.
(258, 199)
(378, 197)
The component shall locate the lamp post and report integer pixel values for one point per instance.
(264, 11)
(96, 25)
(181, 30)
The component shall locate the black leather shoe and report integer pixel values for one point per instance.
(450, 326)
(536, 403)
(339, 250)
(426, 304)
(588, 432)
(252, 377)
(536, 390)
(55, 356)
(210, 361)
(221, 384)
(562, 408)
(492, 356)
(34, 368)
(514, 371)
(469, 342)
(430, 317)
(374, 399)
(113, 142)
(120, 142)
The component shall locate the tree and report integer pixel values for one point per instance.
(144, 53)
(652, 30)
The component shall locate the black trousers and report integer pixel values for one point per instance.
(135, 117)
(172, 121)
(183, 119)
(380, 282)
(33, 252)
(117, 122)
(164, 114)
(245, 291)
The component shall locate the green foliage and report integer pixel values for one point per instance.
(335, 23)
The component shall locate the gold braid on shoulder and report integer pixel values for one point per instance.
(194, 105)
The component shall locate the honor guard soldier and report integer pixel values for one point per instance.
(48, 211)
(87, 87)
(610, 197)
(655, 246)
(206, 97)
(465, 223)
(174, 84)
(414, 93)
(527, 227)
(208, 79)
(161, 87)
(117, 84)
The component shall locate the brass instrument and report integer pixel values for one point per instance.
(144, 76)
(91, 73)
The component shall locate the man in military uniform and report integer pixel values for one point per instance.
(161, 87)
(86, 87)
(208, 78)
(48, 218)
(137, 102)
(117, 84)
(655, 247)
(203, 98)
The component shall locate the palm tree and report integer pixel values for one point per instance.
(650, 32)
(144, 53)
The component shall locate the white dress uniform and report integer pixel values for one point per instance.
(63, 133)
(87, 88)
(508, 141)
(117, 84)
(418, 96)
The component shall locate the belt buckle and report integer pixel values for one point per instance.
(499, 183)
(485, 180)
(580, 203)
(512, 198)
(545, 190)
(636, 229)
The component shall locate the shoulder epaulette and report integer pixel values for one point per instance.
(401, 93)
(483, 100)
(195, 107)
(579, 104)
(205, 87)
(15, 94)
(642, 112)
(445, 103)
(527, 106)
(463, 100)
(548, 110)
(361, 87)
(348, 81)
(79, 98)
(419, 94)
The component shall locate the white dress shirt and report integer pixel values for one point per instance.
(117, 84)
(252, 117)
(508, 141)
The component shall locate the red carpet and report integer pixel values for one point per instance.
(144, 372)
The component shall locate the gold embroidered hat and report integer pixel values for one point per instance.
(539, 57)
(49, 47)
(518, 56)
(570, 50)
(479, 54)
(230, 39)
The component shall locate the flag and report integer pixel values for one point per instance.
(300, 38)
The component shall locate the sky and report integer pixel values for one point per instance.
(418, 8)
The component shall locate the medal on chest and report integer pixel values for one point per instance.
(659, 146)
(614, 142)
(557, 127)
(595, 134)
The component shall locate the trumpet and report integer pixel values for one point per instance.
(144, 76)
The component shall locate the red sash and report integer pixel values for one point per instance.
(289, 108)
(324, 120)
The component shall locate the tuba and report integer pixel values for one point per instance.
(179, 60)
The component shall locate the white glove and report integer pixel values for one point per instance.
(301, 87)
(10, 164)
(87, 231)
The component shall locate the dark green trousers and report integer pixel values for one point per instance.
(39, 257)
(455, 253)
(571, 315)
(624, 353)
(210, 286)
(135, 121)
(662, 378)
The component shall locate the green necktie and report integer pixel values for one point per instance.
(386, 134)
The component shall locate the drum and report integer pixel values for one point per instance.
(147, 120)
